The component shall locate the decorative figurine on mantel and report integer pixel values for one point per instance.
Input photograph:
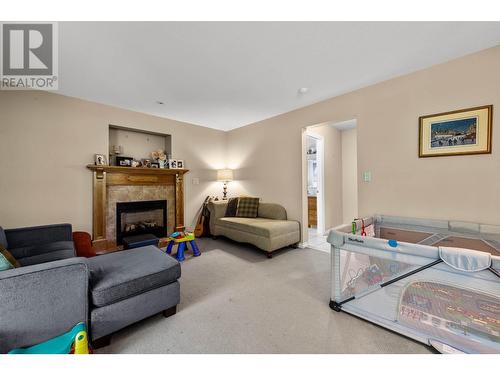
(160, 157)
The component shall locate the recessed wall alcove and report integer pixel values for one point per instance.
(135, 143)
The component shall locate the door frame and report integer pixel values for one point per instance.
(320, 198)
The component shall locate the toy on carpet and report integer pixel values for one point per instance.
(181, 239)
(71, 342)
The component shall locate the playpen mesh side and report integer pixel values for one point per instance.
(457, 309)
(462, 317)
(359, 273)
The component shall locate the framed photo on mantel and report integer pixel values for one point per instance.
(462, 132)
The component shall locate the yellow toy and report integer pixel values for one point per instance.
(72, 342)
(81, 343)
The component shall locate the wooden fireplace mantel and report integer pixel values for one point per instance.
(107, 175)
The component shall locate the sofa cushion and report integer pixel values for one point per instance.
(33, 250)
(123, 274)
(83, 245)
(47, 257)
(260, 226)
(247, 207)
(232, 206)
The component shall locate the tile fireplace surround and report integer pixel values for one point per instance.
(136, 193)
(126, 184)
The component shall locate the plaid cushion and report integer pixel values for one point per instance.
(247, 207)
(232, 206)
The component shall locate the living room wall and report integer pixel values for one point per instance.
(267, 154)
(46, 140)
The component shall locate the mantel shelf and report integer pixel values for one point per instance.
(135, 170)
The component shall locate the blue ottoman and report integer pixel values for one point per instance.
(140, 240)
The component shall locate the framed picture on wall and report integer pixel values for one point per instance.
(462, 132)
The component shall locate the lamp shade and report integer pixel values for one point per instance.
(225, 175)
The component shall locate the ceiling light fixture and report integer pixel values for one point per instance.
(303, 90)
(160, 102)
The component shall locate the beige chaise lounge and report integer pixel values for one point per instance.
(269, 231)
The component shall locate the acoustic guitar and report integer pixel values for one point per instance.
(201, 228)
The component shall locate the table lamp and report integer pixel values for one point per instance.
(225, 175)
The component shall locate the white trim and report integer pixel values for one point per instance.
(305, 231)
(306, 245)
(320, 157)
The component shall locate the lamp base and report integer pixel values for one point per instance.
(224, 192)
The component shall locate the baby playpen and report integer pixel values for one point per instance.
(435, 281)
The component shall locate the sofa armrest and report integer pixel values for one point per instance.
(23, 237)
(272, 211)
(42, 301)
(217, 210)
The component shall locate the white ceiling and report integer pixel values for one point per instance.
(227, 75)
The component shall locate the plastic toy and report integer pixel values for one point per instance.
(177, 235)
(181, 239)
(354, 227)
(81, 343)
(72, 342)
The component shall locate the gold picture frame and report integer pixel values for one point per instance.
(461, 132)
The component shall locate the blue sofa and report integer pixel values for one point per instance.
(53, 290)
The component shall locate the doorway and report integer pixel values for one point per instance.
(329, 180)
(315, 185)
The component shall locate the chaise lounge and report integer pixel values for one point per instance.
(269, 231)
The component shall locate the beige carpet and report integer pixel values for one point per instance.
(235, 300)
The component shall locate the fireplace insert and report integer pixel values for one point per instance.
(142, 217)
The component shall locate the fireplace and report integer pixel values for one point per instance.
(125, 184)
(143, 217)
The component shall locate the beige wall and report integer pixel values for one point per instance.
(267, 154)
(46, 140)
(349, 175)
